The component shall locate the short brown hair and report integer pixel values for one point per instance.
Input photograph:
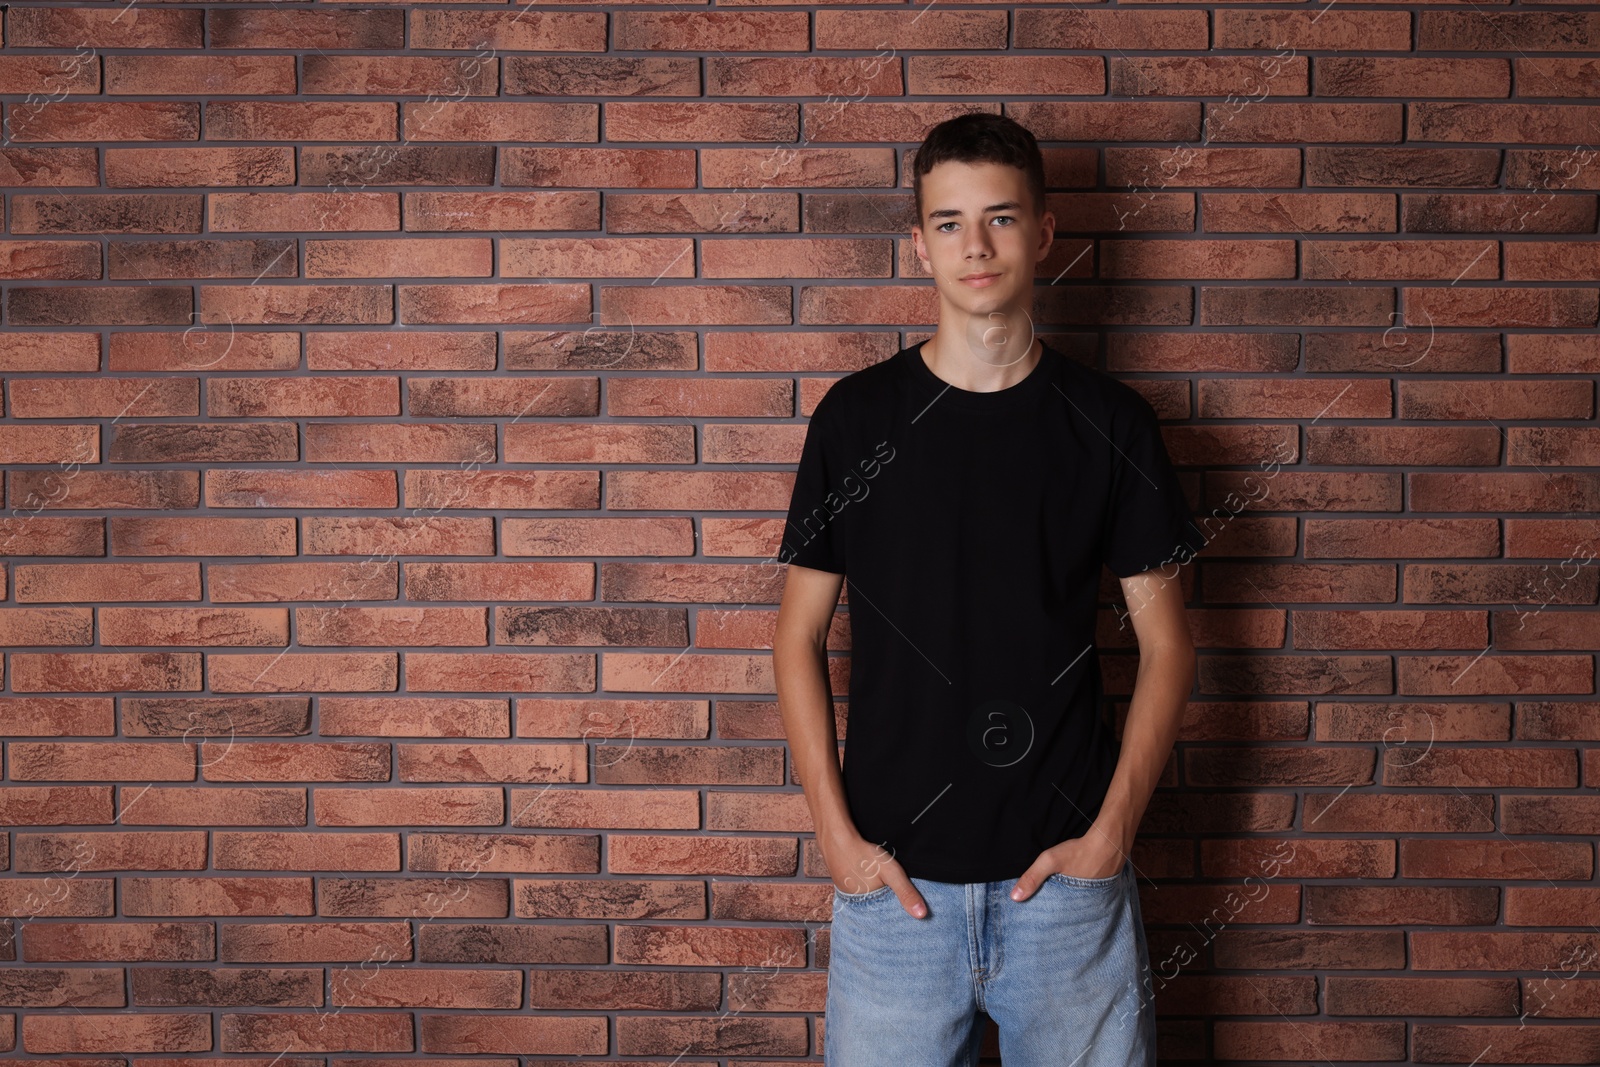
(978, 137)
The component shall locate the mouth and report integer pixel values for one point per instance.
(980, 280)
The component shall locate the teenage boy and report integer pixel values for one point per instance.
(972, 486)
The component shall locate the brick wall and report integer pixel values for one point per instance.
(400, 404)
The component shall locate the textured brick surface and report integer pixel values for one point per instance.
(399, 410)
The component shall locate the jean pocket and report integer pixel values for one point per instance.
(1073, 881)
(861, 898)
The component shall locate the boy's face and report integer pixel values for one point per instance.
(979, 218)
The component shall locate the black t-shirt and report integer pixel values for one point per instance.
(972, 528)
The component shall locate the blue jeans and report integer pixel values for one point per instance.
(1065, 975)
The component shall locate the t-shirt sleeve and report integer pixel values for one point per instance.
(1148, 522)
(814, 534)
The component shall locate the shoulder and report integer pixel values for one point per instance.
(856, 394)
(1108, 402)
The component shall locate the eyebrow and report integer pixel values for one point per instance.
(951, 212)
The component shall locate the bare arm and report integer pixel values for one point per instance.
(799, 655)
(1155, 715)
(1160, 698)
(805, 697)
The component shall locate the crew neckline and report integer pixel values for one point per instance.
(947, 393)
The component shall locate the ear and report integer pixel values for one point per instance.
(1047, 235)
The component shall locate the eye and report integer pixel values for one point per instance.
(1008, 218)
(943, 225)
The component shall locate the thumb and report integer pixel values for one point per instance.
(912, 900)
(1029, 882)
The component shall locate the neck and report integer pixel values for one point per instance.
(981, 368)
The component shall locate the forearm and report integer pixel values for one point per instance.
(1155, 717)
(806, 703)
